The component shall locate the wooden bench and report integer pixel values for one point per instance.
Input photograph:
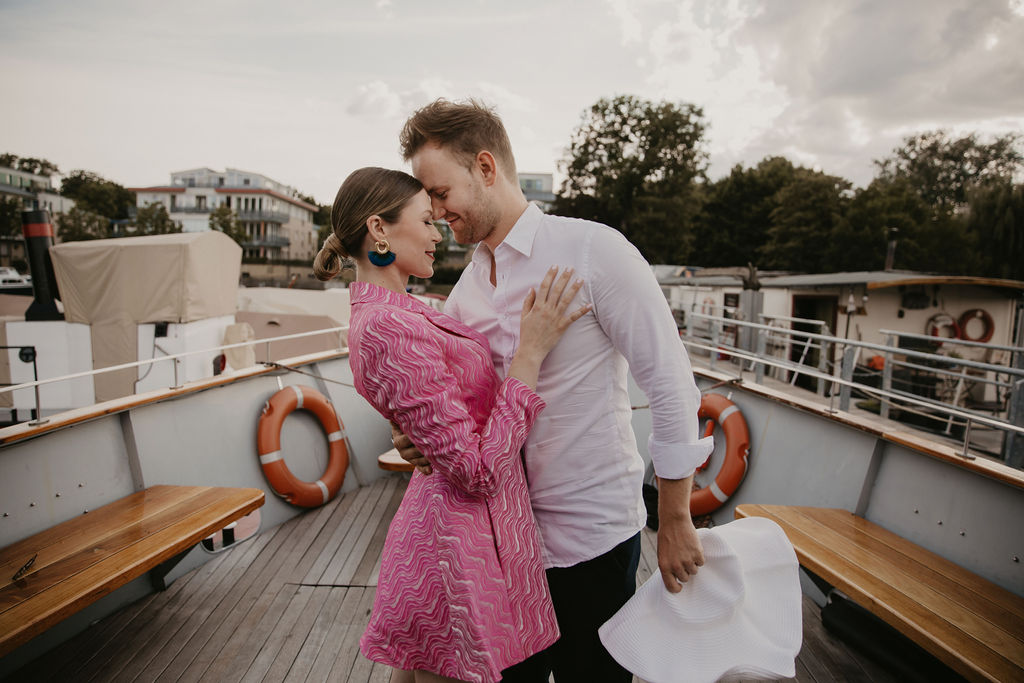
(973, 626)
(63, 569)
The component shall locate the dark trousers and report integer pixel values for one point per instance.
(585, 596)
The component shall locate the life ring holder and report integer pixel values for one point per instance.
(268, 446)
(939, 322)
(718, 409)
(986, 320)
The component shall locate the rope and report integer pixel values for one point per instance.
(303, 372)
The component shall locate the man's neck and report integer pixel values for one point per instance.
(510, 213)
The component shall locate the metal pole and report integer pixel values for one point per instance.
(847, 375)
(883, 409)
(762, 346)
(35, 378)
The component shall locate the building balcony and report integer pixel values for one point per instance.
(264, 216)
(257, 242)
(190, 209)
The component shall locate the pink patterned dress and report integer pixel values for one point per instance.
(462, 589)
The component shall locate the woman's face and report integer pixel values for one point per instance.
(414, 237)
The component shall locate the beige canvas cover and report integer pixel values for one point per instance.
(115, 284)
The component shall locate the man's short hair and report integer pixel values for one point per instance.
(464, 128)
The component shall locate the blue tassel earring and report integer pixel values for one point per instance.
(382, 254)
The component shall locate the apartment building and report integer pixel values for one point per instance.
(278, 224)
(34, 192)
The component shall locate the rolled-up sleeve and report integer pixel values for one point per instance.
(404, 376)
(634, 314)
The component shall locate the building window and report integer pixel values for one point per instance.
(200, 201)
(245, 181)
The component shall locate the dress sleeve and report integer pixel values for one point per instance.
(406, 379)
(633, 313)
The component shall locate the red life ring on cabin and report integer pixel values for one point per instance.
(718, 408)
(986, 320)
(307, 494)
(939, 322)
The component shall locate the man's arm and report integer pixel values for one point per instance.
(633, 313)
(679, 548)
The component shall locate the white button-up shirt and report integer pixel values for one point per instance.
(582, 463)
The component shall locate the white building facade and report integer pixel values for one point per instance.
(278, 225)
(35, 192)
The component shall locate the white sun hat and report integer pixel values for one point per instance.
(740, 615)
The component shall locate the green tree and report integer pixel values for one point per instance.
(635, 165)
(225, 220)
(861, 243)
(736, 213)
(80, 224)
(996, 221)
(943, 169)
(28, 164)
(10, 216)
(98, 195)
(153, 219)
(809, 209)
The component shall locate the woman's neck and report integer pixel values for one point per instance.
(387, 277)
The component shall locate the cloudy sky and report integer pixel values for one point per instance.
(307, 91)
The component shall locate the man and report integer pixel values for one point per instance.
(582, 464)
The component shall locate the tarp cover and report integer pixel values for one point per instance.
(115, 284)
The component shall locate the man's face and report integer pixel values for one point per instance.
(457, 194)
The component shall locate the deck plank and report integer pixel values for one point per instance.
(257, 612)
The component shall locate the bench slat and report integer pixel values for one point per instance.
(971, 644)
(90, 551)
(83, 534)
(158, 535)
(982, 597)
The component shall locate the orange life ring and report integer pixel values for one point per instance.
(268, 445)
(986, 320)
(940, 321)
(718, 408)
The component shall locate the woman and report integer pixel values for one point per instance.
(462, 591)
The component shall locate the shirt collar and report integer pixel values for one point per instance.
(522, 234)
(369, 293)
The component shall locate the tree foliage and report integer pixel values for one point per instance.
(809, 209)
(29, 164)
(635, 164)
(153, 219)
(98, 195)
(943, 169)
(80, 224)
(736, 213)
(225, 220)
(10, 216)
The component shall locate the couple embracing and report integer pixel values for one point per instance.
(518, 535)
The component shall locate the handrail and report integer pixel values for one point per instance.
(948, 340)
(869, 345)
(160, 359)
(810, 372)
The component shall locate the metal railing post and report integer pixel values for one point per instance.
(885, 403)
(847, 376)
(714, 343)
(35, 378)
(823, 366)
(762, 346)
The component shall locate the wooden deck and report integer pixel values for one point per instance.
(290, 605)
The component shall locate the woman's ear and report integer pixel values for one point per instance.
(375, 226)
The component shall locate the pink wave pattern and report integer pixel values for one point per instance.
(462, 589)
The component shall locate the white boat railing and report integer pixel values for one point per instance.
(176, 358)
(829, 375)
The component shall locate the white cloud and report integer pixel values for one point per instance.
(375, 99)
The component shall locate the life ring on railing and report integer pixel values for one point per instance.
(939, 322)
(986, 320)
(268, 444)
(718, 408)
